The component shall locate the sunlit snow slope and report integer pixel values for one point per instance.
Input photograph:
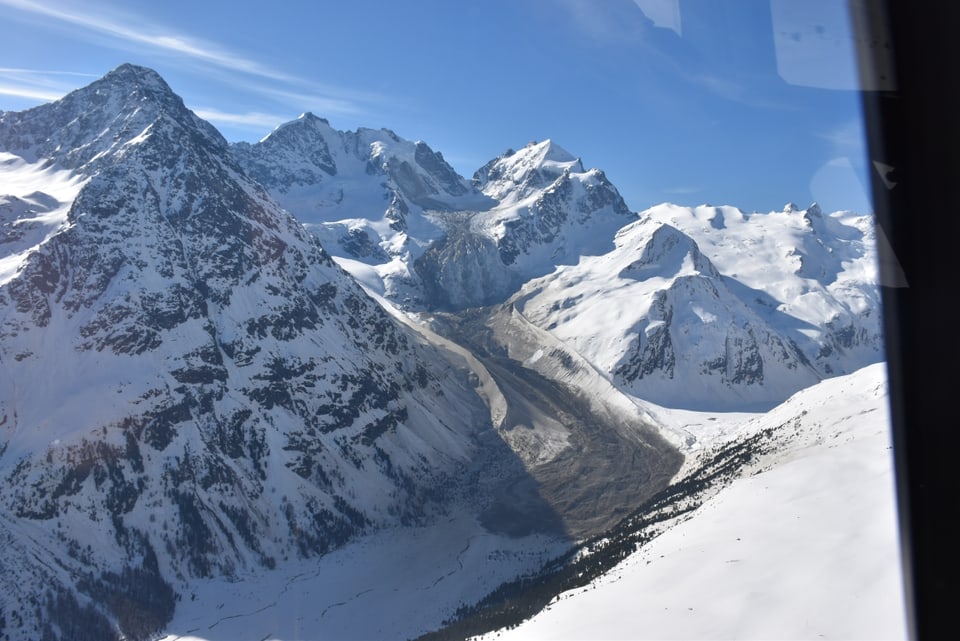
(711, 308)
(804, 547)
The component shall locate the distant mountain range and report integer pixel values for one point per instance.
(751, 306)
(216, 358)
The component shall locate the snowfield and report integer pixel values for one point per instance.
(393, 585)
(804, 548)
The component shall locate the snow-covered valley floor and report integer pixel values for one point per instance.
(803, 546)
(393, 585)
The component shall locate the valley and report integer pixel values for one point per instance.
(323, 386)
(591, 464)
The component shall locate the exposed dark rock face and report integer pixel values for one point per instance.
(653, 347)
(464, 269)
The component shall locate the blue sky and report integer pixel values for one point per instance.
(748, 103)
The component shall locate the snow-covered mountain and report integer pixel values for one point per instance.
(327, 175)
(368, 195)
(422, 235)
(190, 385)
(550, 209)
(815, 270)
(195, 396)
(752, 307)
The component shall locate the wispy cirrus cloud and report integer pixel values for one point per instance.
(129, 29)
(324, 100)
(249, 119)
(130, 32)
(44, 72)
(30, 93)
(36, 84)
(738, 90)
(846, 139)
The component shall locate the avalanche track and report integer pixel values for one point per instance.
(584, 464)
(577, 463)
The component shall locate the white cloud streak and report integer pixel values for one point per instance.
(139, 34)
(41, 85)
(32, 94)
(260, 79)
(44, 72)
(250, 119)
(846, 139)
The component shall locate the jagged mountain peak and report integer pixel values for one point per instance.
(118, 109)
(134, 75)
(666, 252)
(303, 129)
(309, 116)
(812, 210)
(521, 172)
(299, 159)
(548, 157)
(547, 151)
